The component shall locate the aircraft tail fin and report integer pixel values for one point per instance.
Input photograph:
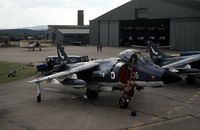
(155, 52)
(62, 56)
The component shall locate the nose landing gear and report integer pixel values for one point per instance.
(128, 91)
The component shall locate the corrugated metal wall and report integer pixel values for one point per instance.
(109, 33)
(185, 34)
(93, 33)
(114, 33)
(103, 33)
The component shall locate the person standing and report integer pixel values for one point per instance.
(97, 47)
(100, 47)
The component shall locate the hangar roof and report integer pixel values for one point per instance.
(55, 27)
(167, 9)
(194, 4)
(74, 31)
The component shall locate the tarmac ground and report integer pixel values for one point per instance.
(175, 106)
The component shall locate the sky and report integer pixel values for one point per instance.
(28, 13)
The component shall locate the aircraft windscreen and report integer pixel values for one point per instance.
(144, 60)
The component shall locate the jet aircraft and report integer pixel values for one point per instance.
(128, 72)
(187, 63)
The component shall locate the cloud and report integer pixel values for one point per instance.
(54, 3)
(30, 3)
(21, 13)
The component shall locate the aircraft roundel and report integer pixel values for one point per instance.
(103, 74)
(112, 74)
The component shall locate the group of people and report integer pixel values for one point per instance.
(99, 48)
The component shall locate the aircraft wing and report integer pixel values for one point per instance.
(184, 61)
(85, 66)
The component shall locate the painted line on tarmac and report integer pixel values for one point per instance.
(188, 102)
(169, 112)
(174, 109)
(140, 124)
(159, 123)
(195, 95)
(155, 118)
(192, 99)
(137, 124)
(178, 108)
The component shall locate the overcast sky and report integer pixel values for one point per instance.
(25, 13)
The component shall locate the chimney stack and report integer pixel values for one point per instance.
(80, 18)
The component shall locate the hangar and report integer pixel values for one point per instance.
(70, 34)
(173, 23)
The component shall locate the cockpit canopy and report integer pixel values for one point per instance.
(128, 54)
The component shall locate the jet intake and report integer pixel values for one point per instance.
(123, 74)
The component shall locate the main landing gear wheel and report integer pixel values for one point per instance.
(190, 80)
(123, 102)
(133, 113)
(39, 98)
(91, 94)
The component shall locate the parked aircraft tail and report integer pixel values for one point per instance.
(155, 52)
(62, 56)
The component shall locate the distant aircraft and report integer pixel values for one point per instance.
(56, 63)
(189, 64)
(34, 45)
(128, 72)
(187, 53)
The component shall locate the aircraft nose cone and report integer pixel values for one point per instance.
(169, 77)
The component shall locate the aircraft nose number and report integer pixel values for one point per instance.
(136, 75)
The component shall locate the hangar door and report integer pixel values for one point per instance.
(109, 33)
(137, 32)
(76, 38)
(184, 33)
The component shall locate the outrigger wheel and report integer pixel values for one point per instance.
(38, 92)
(123, 102)
(91, 94)
(39, 98)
